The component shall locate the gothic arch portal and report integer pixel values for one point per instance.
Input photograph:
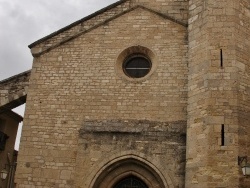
(128, 169)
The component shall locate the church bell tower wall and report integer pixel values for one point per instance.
(243, 60)
(218, 98)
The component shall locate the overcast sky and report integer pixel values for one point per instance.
(22, 22)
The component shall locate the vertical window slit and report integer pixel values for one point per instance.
(222, 135)
(221, 58)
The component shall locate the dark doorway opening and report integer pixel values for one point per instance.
(130, 182)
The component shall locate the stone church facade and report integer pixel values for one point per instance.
(143, 93)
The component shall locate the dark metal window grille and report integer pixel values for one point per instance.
(131, 182)
(137, 66)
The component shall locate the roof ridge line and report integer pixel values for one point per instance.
(164, 16)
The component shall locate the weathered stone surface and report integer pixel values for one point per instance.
(85, 122)
(218, 102)
(161, 142)
(77, 82)
(13, 91)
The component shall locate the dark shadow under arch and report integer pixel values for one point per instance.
(130, 182)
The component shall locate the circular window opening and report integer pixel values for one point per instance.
(137, 66)
(131, 182)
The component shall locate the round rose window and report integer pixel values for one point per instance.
(136, 66)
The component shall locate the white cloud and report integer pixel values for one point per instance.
(24, 21)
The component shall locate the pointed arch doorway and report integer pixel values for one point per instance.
(129, 173)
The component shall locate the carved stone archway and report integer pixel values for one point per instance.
(125, 168)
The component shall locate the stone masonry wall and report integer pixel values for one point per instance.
(13, 91)
(216, 74)
(163, 144)
(176, 9)
(77, 82)
(243, 59)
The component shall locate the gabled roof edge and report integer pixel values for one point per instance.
(165, 16)
(15, 76)
(108, 20)
(77, 22)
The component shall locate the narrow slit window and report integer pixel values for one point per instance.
(221, 58)
(222, 135)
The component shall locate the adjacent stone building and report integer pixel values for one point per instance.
(143, 93)
(9, 122)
